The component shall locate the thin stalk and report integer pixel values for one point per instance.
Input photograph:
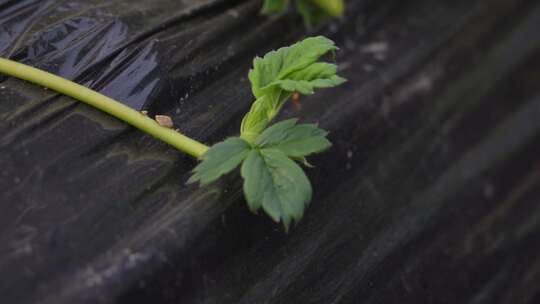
(105, 104)
(334, 8)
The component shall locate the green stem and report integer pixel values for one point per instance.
(334, 8)
(105, 104)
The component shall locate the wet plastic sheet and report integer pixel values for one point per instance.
(428, 195)
(77, 174)
(128, 50)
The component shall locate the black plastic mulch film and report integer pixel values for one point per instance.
(136, 52)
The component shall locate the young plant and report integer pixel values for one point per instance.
(268, 155)
(313, 11)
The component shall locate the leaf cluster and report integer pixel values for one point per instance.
(273, 180)
(277, 75)
(269, 156)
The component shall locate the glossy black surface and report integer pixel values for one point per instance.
(431, 193)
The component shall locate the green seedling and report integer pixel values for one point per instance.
(268, 155)
(313, 11)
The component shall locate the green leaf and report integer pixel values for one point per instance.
(220, 159)
(275, 183)
(275, 133)
(255, 122)
(277, 65)
(297, 141)
(274, 6)
(317, 70)
(316, 76)
(308, 87)
(278, 74)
